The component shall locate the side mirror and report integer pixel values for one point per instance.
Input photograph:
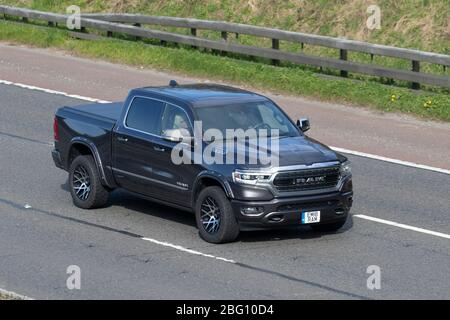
(177, 135)
(304, 124)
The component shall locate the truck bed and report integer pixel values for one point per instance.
(111, 111)
(89, 122)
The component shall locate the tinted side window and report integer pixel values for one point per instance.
(174, 118)
(145, 115)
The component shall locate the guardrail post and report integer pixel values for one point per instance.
(276, 46)
(415, 68)
(224, 36)
(109, 34)
(343, 56)
(25, 19)
(194, 34)
(138, 25)
(51, 24)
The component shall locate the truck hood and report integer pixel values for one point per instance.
(299, 150)
(303, 150)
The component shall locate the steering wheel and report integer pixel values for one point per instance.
(261, 125)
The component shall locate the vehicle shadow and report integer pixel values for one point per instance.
(289, 233)
(127, 200)
(65, 186)
(122, 198)
(133, 202)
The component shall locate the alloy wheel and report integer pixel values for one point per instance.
(81, 183)
(210, 215)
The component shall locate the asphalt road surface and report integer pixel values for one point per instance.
(140, 250)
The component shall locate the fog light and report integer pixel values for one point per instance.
(348, 186)
(252, 210)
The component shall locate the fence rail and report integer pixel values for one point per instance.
(130, 24)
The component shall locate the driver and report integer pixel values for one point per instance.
(245, 117)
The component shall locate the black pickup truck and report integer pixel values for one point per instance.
(131, 145)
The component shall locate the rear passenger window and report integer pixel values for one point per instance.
(145, 115)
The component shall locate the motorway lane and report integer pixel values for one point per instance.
(37, 244)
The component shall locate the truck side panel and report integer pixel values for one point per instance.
(77, 127)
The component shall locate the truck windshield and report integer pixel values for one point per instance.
(247, 115)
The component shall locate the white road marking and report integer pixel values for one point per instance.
(180, 248)
(396, 161)
(13, 295)
(403, 226)
(74, 96)
(356, 153)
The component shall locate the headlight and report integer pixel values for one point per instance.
(346, 170)
(251, 177)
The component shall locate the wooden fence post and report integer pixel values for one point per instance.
(224, 36)
(194, 34)
(276, 46)
(343, 56)
(138, 25)
(415, 68)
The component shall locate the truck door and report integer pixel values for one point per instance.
(142, 159)
(133, 145)
(175, 179)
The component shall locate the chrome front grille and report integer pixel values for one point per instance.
(307, 179)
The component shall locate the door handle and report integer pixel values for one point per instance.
(159, 149)
(122, 139)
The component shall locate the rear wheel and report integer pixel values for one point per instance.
(329, 227)
(85, 185)
(215, 218)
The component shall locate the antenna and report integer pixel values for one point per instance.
(173, 83)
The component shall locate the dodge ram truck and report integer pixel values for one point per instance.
(130, 145)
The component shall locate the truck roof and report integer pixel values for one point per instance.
(198, 95)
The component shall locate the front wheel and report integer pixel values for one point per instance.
(215, 218)
(85, 185)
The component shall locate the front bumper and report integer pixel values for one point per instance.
(281, 212)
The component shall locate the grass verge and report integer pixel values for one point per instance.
(291, 80)
(5, 295)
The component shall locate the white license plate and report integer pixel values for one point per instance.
(310, 217)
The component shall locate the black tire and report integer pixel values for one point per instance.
(329, 227)
(96, 194)
(228, 228)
